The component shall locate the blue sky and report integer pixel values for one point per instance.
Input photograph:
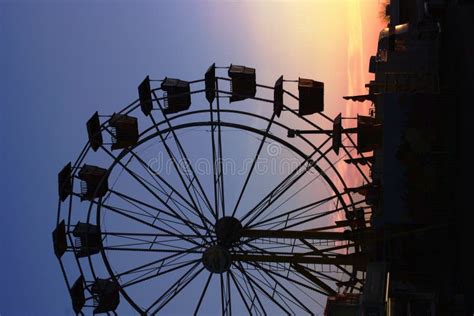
(61, 61)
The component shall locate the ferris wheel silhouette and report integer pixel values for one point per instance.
(169, 236)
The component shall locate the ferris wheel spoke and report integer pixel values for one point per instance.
(127, 234)
(143, 213)
(284, 185)
(150, 225)
(278, 192)
(328, 290)
(324, 254)
(337, 195)
(289, 222)
(140, 205)
(226, 303)
(194, 178)
(133, 237)
(229, 292)
(175, 289)
(224, 300)
(241, 294)
(303, 218)
(251, 280)
(120, 248)
(219, 152)
(157, 177)
(251, 292)
(203, 293)
(162, 262)
(295, 300)
(254, 161)
(167, 222)
(301, 271)
(149, 243)
(142, 275)
(289, 214)
(215, 169)
(218, 172)
(168, 197)
(148, 189)
(306, 219)
(160, 271)
(146, 214)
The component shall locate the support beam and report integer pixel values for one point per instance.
(351, 259)
(261, 233)
(302, 270)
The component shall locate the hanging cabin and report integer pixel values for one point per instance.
(88, 239)
(124, 131)
(243, 84)
(311, 96)
(94, 182)
(106, 296)
(178, 95)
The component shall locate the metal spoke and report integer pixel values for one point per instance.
(135, 202)
(148, 189)
(249, 174)
(114, 248)
(126, 234)
(219, 142)
(250, 287)
(183, 154)
(294, 281)
(323, 254)
(283, 297)
(171, 258)
(148, 224)
(147, 277)
(203, 293)
(203, 218)
(222, 294)
(176, 288)
(229, 294)
(262, 290)
(218, 172)
(307, 207)
(339, 195)
(173, 160)
(170, 187)
(240, 293)
(282, 187)
(215, 172)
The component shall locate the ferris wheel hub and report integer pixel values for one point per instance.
(228, 231)
(216, 259)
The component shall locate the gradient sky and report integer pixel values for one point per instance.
(63, 60)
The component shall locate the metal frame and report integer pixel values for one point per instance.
(200, 235)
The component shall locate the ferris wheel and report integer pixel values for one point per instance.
(215, 196)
